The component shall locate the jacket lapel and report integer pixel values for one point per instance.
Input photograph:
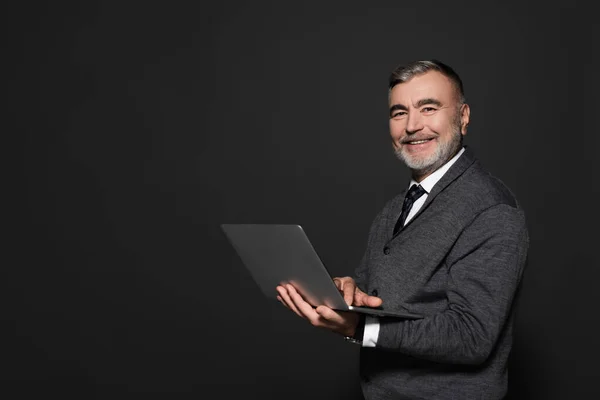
(456, 170)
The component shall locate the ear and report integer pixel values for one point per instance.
(465, 115)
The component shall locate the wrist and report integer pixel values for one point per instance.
(357, 335)
(360, 327)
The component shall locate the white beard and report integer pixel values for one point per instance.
(443, 152)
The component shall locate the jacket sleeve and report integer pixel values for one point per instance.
(361, 272)
(485, 267)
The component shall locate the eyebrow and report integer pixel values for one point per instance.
(419, 104)
(423, 102)
(397, 107)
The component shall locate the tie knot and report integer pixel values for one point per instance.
(415, 192)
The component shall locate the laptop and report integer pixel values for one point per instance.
(280, 254)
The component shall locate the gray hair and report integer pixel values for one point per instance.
(404, 73)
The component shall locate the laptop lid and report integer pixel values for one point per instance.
(279, 254)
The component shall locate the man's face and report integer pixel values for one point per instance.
(426, 122)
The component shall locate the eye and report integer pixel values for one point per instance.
(428, 109)
(398, 114)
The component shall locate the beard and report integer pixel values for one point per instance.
(442, 153)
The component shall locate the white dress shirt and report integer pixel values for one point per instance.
(371, 332)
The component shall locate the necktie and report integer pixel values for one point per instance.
(413, 194)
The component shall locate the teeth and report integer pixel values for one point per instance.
(419, 141)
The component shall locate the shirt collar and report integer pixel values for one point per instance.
(429, 182)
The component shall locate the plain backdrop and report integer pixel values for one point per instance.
(133, 129)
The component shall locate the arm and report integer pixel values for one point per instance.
(370, 326)
(484, 270)
(361, 271)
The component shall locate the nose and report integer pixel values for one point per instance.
(414, 123)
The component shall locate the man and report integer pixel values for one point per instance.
(452, 249)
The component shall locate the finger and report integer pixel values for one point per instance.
(305, 309)
(329, 319)
(283, 293)
(341, 322)
(362, 299)
(347, 286)
(349, 289)
(281, 301)
(338, 283)
(372, 301)
(359, 297)
(329, 315)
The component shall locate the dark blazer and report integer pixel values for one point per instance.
(459, 263)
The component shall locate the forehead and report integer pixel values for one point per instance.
(430, 85)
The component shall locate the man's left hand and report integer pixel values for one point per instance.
(342, 322)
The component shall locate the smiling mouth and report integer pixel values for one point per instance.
(417, 141)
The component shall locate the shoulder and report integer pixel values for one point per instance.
(482, 190)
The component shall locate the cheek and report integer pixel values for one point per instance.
(439, 124)
(396, 129)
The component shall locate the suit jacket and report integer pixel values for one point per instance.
(459, 263)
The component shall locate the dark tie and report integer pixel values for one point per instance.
(413, 194)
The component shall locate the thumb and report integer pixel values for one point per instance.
(363, 299)
(372, 301)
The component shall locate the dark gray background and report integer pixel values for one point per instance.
(143, 126)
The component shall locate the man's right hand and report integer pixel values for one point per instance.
(353, 295)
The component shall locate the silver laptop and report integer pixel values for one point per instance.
(279, 254)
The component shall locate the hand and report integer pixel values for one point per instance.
(353, 295)
(341, 322)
